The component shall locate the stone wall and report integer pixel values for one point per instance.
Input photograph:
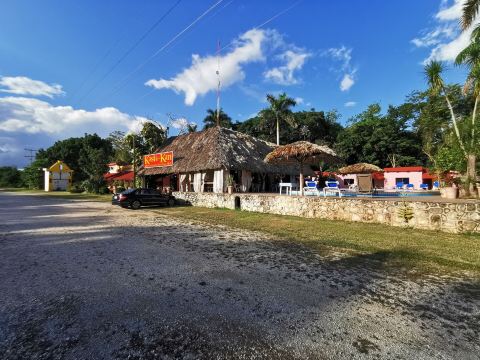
(453, 217)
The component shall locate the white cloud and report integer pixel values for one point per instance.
(446, 39)
(343, 55)
(181, 123)
(347, 82)
(284, 75)
(350, 103)
(21, 85)
(33, 116)
(450, 13)
(200, 77)
(299, 100)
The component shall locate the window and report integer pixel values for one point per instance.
(402, 180)
(348, 182)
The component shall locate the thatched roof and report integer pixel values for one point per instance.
(360, 168)
(217, 148)
(302, 151)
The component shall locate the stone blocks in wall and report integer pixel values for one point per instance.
(455, 217)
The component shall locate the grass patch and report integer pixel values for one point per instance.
(420, 249)
(61, 194)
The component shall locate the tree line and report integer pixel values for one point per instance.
(416, 132)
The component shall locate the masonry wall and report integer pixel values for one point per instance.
(454, 217)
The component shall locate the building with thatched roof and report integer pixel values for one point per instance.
(204, 161)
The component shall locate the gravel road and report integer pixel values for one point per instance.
(85, 280)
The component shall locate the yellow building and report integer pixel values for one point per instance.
(58, 177)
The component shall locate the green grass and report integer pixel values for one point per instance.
(401, 248)
(62, 194)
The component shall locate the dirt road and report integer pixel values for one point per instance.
(85, 280)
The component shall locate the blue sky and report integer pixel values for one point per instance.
(71, 67)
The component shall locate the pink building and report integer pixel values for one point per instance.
(415, 175)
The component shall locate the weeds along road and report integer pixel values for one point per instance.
(85, 280)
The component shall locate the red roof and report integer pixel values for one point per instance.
(125, 176)
(378, 176)
(108, 176)
(406, 169)
(427, 176)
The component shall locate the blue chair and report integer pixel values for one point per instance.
(424, 186)
(332, 187)
(310, 187)
(436, 185)
(399, 186)
(410, 187)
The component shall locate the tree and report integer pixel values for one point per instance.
(153, 134)
(92, 160)
(279, 111)
(211, 119)
(316, 127)
(374, 138)
(464, 131)
(431, 120)
(10, 177)
(122, 149)
(470, 12)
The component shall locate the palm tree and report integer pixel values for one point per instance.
(279, 111)
(211, 119)
(433, 73)
(470, 12)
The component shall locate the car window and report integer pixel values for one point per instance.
(145, 192)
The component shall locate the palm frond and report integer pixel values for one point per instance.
(433, 74)
(470, 12)
(469, 56)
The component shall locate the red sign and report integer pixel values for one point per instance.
(158, 160)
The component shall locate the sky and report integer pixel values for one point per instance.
(74, 67)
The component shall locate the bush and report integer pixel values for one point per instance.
(119, 189)
(104, 190)
(76, 189)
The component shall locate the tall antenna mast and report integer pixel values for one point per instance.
(218, 84)
(32, 154)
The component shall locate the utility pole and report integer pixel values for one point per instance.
(218, 83)
(134, 162)
(32, 154)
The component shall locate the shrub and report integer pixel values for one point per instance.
(76, 189)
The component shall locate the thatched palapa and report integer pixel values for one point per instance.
(217, 148)
(215, 152)
(360, 168)
(303, 152)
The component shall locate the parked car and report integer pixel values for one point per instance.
(136, 198)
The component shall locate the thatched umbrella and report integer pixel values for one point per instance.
(363, 172)
(304, 153)
(360, 168)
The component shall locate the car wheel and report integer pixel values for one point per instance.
(171, 202)
(136, 205)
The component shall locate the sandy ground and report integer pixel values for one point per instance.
(86, 280)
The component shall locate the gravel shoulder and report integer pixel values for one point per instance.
(85, 280)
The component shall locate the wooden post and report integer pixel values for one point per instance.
(301, 178)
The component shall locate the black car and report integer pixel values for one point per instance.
(135, 198)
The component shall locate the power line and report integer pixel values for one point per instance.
(102, 59)
(268, 21)
(133, 47)
(124, 81)
(232, 42)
